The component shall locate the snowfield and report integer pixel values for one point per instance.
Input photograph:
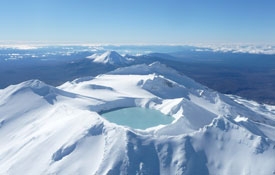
(60, 130)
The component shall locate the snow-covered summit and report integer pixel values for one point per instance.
(68, 135)
(109, 57)
(35, 87)
(159, 69)
(34, 93)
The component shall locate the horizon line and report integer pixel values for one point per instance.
(4, 43)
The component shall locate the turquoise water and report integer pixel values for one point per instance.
(138, 118)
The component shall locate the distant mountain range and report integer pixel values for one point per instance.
(245, 70)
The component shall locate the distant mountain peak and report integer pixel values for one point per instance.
(109, 57)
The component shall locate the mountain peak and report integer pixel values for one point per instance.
(109, 57)
(207, 129)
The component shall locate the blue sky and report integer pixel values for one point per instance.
(138, 21)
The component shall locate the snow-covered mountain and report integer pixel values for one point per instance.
(109, 57)
(60, 130)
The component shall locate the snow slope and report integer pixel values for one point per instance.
(109, 57)
(59, 130)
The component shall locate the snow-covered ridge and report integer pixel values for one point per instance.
(67, 134)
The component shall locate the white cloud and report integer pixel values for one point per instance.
(237, 48)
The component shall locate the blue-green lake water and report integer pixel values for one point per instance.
(138, 118)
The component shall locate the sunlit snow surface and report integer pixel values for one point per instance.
(60, 130)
